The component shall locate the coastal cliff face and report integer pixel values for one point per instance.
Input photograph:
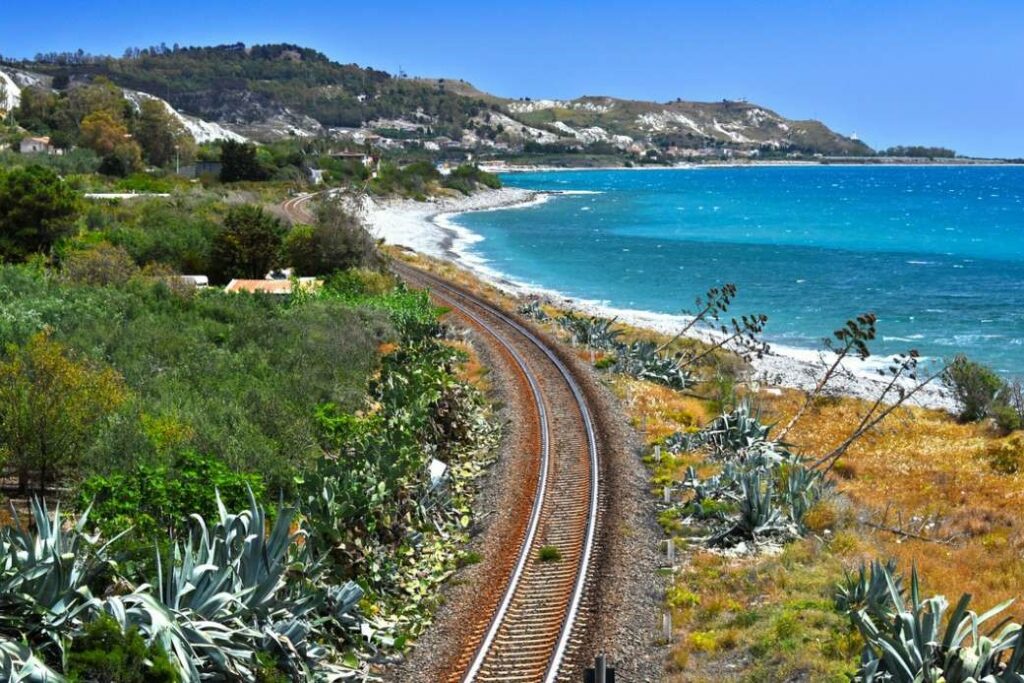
(274, 91)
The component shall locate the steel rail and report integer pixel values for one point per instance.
(453, 295)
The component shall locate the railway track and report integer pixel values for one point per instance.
(530, 618)
(527, 630)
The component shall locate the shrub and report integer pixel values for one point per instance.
(549, 553)
(337, 241)
(974, 386)
(1007, 455)
(249, 245)
(153, 497)
(103, 264)
(36, 209)
(50, 406)
(1007, 418)
(103, 652)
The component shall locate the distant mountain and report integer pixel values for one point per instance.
(273, 91)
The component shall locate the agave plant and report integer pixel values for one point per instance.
(734, 431)
(45, 576)
(227, 591)
(915, 648)
(759, 514)
(804, 488)
(533, 310)
(18, 663)
(684, 442)
(594, 332)
(642, 361)
(868, 590)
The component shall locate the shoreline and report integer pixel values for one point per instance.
(427, 228)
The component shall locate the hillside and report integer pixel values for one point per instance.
(272, 91)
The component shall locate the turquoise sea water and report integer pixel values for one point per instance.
(936, 252)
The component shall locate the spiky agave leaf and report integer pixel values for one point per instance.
(916, 647)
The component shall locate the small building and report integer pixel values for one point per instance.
(197, 281)
(40, 145)
(272, 286)
(364, 159)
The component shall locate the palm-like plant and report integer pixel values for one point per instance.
(736, 430)
(915, 647)
(594, 332)
(45, 577)
(642, 361)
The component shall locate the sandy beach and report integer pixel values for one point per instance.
(427, 228)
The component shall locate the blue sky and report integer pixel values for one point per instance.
(913, 72)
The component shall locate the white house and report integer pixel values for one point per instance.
(36, 145)
(39, 145)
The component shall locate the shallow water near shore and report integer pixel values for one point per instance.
(936, 252)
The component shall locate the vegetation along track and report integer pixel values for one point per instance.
(531, 616)
(527, 626)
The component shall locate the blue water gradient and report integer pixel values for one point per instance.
(936, 252)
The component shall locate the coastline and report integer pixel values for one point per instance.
(427, 228)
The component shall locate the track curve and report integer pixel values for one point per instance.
(528, 634)
(526, 625)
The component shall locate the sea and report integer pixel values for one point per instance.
(936, 252)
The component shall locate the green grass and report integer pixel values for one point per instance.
(549, 553)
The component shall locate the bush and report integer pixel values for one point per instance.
(36, 209)
(974, 386)
(103, 264)
(1007, 455)
(249, 245)
(338, 241)
(106, 654)
(50, 407)
(152, 497)
(467, 177)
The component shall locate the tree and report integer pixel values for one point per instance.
(975, 387)
(338, 241)
(105, 134)
(238, 162)
(36, 209)
(162, 136)
(50, 405)
(249, 245)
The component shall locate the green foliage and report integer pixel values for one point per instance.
(50, 407)
(239, 162)
(179, 233)
(100, 265)
(338, 241)
(106, 653)
(1006, 456)
(290, 75)
(162, 137)
(414, 180)
(974, 386)
(919, 151)
(909, 642)
(36, 209)
(248, 246)
(467, 178)
(152, 498)
(237, 377)
(549, 553)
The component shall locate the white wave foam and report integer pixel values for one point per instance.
(437, 233)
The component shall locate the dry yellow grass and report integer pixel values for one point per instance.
(923, 466)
